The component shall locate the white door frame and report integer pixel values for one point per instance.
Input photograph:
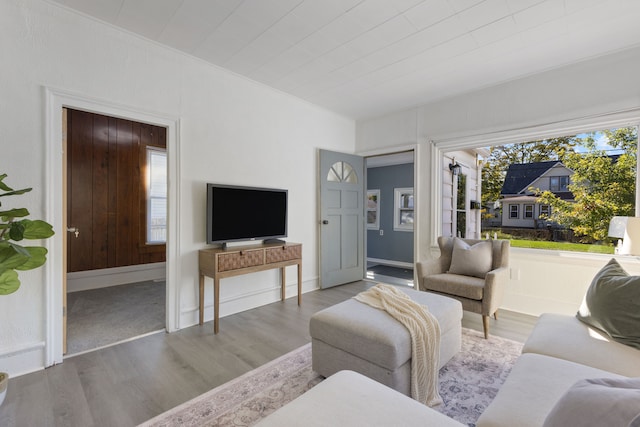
(54, 210)
(417, 189)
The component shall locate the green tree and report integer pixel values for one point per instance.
(603, 186)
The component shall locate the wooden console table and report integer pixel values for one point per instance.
(219, 263)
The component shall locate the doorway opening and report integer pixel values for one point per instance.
(390, 218)
(116, 218)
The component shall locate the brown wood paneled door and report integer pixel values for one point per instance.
(106, 191)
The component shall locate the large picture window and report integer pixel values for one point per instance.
(575, 183)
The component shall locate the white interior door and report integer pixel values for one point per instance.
(342, 180)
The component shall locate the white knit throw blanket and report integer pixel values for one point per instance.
(425, 338)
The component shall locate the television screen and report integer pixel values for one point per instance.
(245, 213)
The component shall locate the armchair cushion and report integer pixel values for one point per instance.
(458, 285)
(471, 260)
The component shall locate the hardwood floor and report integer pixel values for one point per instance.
(129, 383)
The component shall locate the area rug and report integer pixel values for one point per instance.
(468, 383)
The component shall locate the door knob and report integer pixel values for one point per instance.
(325, 221)
(74, 230)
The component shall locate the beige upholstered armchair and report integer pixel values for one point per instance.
(475, 272)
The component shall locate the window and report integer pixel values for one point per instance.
(528, 211)
(545, 211)
(594, 179)
(342, 172)
(461, 206)
(559, 183)
(156, 195)
(373, 209)
(403, 209)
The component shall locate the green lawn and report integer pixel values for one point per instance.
(554, 246)
(561, 246)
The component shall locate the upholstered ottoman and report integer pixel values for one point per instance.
(355, 336)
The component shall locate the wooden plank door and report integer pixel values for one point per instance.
(106, 199)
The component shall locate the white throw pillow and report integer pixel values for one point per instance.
(475, 260)
(598, 402)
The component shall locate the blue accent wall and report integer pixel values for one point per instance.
(393, 245)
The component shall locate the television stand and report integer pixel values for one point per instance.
(219, 263)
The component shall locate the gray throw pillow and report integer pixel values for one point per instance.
(475, 260)
(612, 304)
(598, 402)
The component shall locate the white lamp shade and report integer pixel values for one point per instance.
(617, 226)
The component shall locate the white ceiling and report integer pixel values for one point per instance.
(364, 58)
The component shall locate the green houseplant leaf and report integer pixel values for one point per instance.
(36, 259)
(9, 282)
(37, 229)
(10, 258)
(14, 213)
(13, 256)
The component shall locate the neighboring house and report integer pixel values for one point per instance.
(520, 207)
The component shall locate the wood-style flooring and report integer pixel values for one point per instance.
(129, 383)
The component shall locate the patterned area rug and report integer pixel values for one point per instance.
(468, 383)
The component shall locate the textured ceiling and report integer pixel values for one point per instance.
(364, 58)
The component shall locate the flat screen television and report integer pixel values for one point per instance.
(237, 213)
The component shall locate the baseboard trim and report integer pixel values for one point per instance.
(103, 278)
(23, 359)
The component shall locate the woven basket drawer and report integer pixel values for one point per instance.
(283, 253)
(236, 260)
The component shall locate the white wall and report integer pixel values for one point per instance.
(232, 130)
(592, 92)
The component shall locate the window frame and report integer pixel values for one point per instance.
(149, 151)
(526, 214)
(398, 224)
(541, 208)
(444, 144)
(562, 184)
(517, 210)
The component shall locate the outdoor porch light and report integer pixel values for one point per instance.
(626, 228)
(454, 167)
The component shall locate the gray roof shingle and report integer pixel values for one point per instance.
(520, 176)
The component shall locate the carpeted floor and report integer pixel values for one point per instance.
(468, 383)
(104, 316)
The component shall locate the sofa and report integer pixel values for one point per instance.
(348, 398)
(570, 373)
(581, 370)
(560, 351)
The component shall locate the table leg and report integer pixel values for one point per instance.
(201, 302)
(216, 305)
(283, 284)
(299, 283)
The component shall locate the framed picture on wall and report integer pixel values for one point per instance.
(373, 209)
